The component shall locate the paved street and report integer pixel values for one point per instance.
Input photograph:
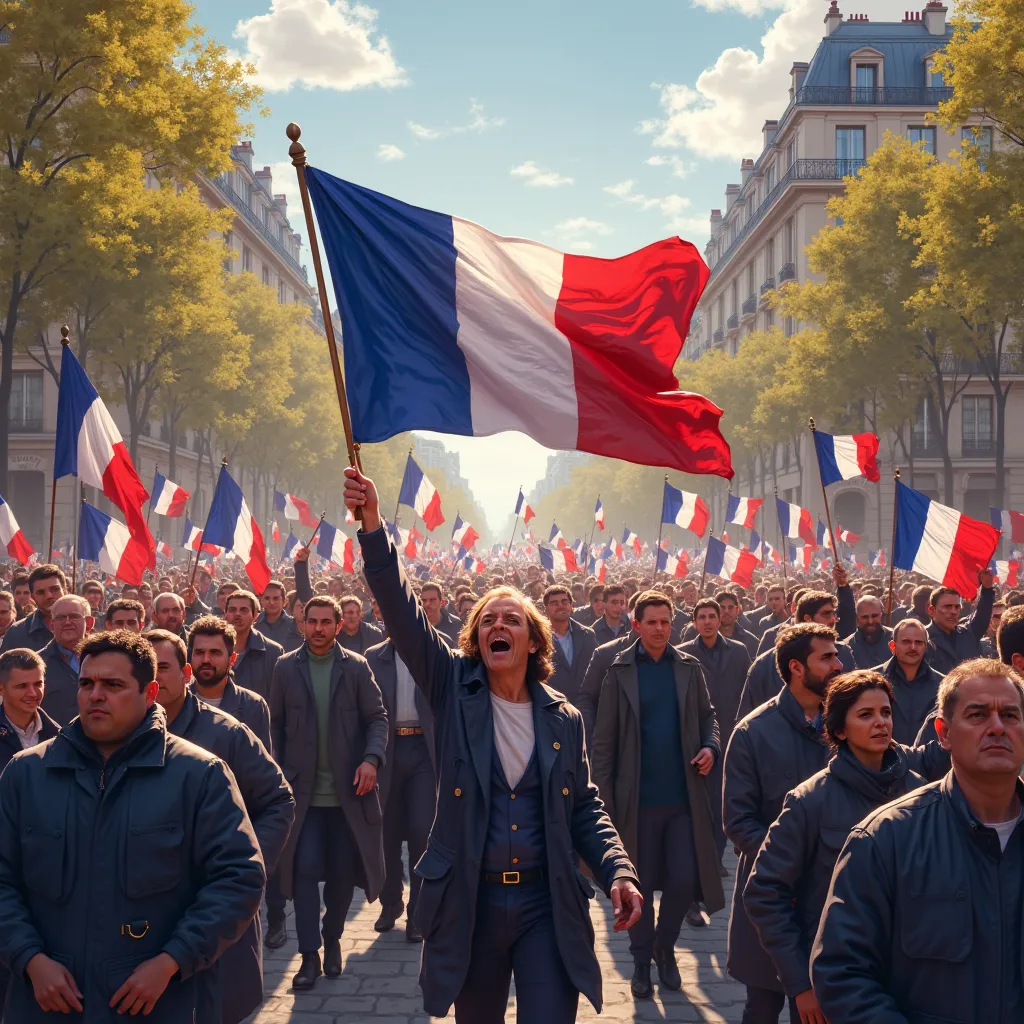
(379, 980)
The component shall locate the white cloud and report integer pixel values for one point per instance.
(388, 152)
(538, 177)
(334, 44)
(747, 7)
(621, 190)
(721, 115)
(583, 225)
(284, 181)
(680, 167)
(674, 208)
(478, 123)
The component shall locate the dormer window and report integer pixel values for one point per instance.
(867, 75)
(933, 76)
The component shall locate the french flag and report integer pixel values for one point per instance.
(473, 564)
(795, 522)
(672, 565)
(164, 550)
(758, 547)
(579, 550)
(558, 559)
(599, 515)
(846, 536)
(1005, 572)
(523, 509)
(801, 556)
(556, 537)
(941, 543)
(88, 445)
(333, 545)
(191, 539)
(291, 542)
(742, 511)
(11, 536)
(275, 533)
(231, 526)
(631, 540)
(464, 535)
(821, 537)
(105, 540)
(295, 508)
(1010, 522)
(412, 540)
(419, 493)
(846, 457)
(877, 558)
(597, 569)
(729, 563)
(686, 510)
(168, 499)
(462, 331)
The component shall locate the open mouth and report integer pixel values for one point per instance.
(499, 645)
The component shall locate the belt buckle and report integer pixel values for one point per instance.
(510, 878)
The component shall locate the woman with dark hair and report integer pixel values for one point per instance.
(500, 892)
(786, 891)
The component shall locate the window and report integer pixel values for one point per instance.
(734, 290)
(769, 318)
(787, 241)
(924, 134)
(935, 79)
(751, 286)
(266, 276)
(925, 436)
(770, 179)
(721, 313)
(975, 135)
(26, 415)
(791, 154)
(849, 150)
(977, 423)
(787, 326)
(865, 83)
(246, 258)
(769, 259)
(282, 292)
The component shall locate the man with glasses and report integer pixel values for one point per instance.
(71, 618)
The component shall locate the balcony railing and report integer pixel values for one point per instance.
(26, 424)
(925, 447)
(978, 445)
(787, 273)
(750, 305)
(733, 323)
(769, 285)
(244, 209)
(1009, 362)
(872, 96)
(719, 336)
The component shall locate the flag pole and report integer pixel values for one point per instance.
(65, 340)
(398, 500)
(661, 527)
(782, 541)
(323, 516)
(74, 553)
(704, 567)
(515, 527)
(593, 530)
(824, 495)
(199, 546)
(149, 511)
(451, 571)
(298, 154)
(892, 551)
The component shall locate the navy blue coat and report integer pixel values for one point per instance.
(155, 840)
(255, 671)
(10, 743)
(60, 698)
(456, 688)
(31, 632)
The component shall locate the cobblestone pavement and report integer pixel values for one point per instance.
(379, 978)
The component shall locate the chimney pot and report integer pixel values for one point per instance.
(833, 18)
(935, 17)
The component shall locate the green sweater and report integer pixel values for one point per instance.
(324, 793)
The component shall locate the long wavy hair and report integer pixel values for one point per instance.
(538, 667)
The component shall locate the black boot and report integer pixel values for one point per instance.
(696, 916)
(412, 933)
(387, 919)
(641, 984)
(668, 971)
(277, 934)
(307, 975)
(332, 958)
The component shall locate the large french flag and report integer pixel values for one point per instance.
(11, 537)
(231, 526)
(89, 445)
(449, 327)
(419, 493)
(105, 540)
(1010, 522)
(295, 508)
(729, 563)
(742, 511)
(941, 543)
(558, 559)
(168, 498)
(795, 522)
(686, 510)
(672, 565)
(333, 545)
(846, 457)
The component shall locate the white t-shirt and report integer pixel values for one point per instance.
(513, 736)
(214, 702)
(1003, 829)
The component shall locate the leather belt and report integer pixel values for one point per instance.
(408, 730)
(515, 877)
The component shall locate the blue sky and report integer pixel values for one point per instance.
(594, 127)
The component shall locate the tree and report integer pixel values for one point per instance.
(85, 85)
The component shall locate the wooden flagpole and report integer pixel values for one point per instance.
(824, 495)
(65, 340)
(704, 567)
(593, 530)
(316, 530)
(398, 500)
(512, 540)
(782, 542)
(199, 546)
(892, 550)
(149, 511)
(661, 527)
(297, 152)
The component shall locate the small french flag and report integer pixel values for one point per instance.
(672, 565)
(729, 563)
(11, 536)
(846, 536)
(333, 545)
(631, 540)
(164, 550)
(295, 508)
(877, 558)
(558, 559)
(190, 539)
(795, 522)
(941, 543)
(1010, 522)
(291, 542)
(821, 536)
(1005, 572)
(597, 569)
(686, 510)
(526, 512)
(472, 564)
(168, 498)
(846, 457)
(742, 511)
(231, 526)
(275, 533)
(556, 537)
(801, 556)
(464, 535)
(419, 493)
(105, 540)
(599, 515)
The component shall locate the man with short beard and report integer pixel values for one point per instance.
(774, 748)
(870, 640)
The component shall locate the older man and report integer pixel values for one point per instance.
(71, 618)
(169, 613)
(870, 640)
(923, 918)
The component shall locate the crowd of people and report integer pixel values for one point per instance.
(177, 753)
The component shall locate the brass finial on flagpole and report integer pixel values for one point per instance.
(297, 152)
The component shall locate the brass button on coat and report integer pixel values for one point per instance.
(557, 746)
(458, 792)
(565, 792)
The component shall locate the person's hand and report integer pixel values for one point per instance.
(301, 554)
(145, 985)
(53, 985)
(705, 760)
(986, 578)
(839, 577)
(189, 595)
(626, 904)
(366, 778)
(808, 1008)
(361, 494)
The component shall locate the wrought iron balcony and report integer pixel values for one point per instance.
(719, 336)
(246, 211)
(872, 96)
(750, 305)
(769, 285)
(733, 323)
(978, 445)
(1009, 362)
(787, 273)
